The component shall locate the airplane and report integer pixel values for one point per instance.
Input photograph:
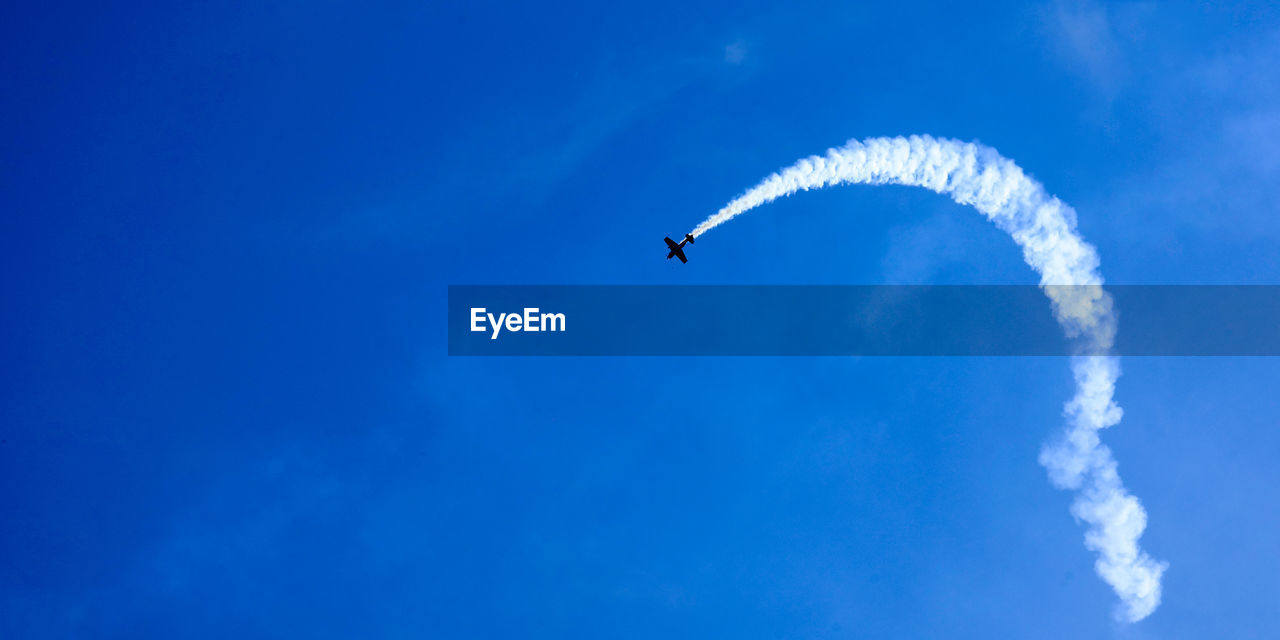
(677, 250)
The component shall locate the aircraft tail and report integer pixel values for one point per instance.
(689, 237)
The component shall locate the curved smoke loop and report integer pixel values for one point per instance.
(1045, 228)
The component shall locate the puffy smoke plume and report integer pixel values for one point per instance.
(1045, 228)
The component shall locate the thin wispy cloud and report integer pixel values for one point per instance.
(1216, 165)
(1092, 41)
(735, 52)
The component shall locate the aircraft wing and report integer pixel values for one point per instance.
(671, 243)
(680, 254)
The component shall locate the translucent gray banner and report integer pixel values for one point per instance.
(888, 320)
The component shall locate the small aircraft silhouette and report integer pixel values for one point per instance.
(677, 250)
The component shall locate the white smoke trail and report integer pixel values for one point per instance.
(1045, 228)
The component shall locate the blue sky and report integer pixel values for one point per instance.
(229, 228)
